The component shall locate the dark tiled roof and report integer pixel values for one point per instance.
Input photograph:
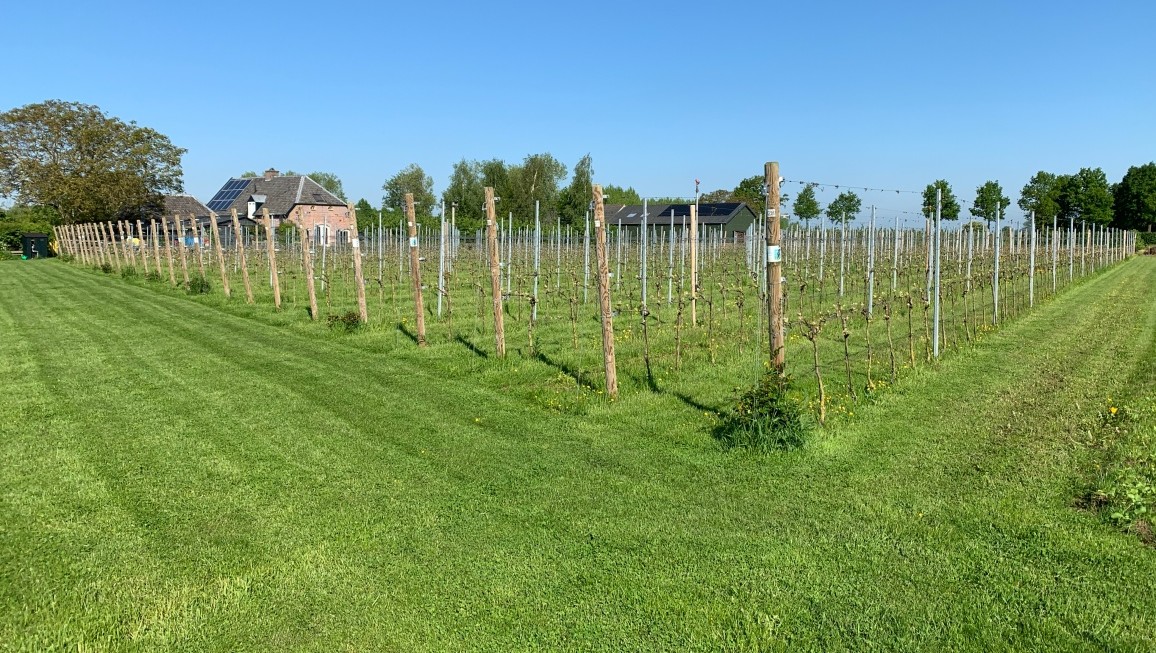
(714, 213)
(281, 194)
(184, 206)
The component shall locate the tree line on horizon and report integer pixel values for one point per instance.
(67, 162)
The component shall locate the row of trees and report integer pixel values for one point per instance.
(1085, 196)
(78, 164)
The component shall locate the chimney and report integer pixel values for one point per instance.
(270, 173)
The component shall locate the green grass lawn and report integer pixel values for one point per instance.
(178, 475)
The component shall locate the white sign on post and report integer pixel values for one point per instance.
(413, 241)
(774, 254)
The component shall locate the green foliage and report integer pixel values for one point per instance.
(574, 200)
(199, 285)
(1085, 196)
(1134, 198)
(1041, 194)
(949, 208)
(806, 205)
(330, 182)
(410, 179)
(467, 191)
(84, 164)
(764, 418)
(1145, 238)
(844, 207)
(20, 220)
(106, 268)
(535, 180)
(619, 195)
(153, 276)
(989, 200)
(128, 272)
(752, 190)
(1124, 490)
(366, 213)
(348, 321)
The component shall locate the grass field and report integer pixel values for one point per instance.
(179, 475)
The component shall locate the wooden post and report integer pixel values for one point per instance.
(112, 243)
(198, 243)
(693, 264)
(495, 272)
(271, 247)
(183, 250)
(240, 244)
(156, 245)
(307, 261)
(220, 254)
(415, 272)
(144, 252)
(604, 293)
(358, 278)
(774, 269)
(169, 250)
(126, 244)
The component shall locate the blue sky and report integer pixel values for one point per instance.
(884, 95)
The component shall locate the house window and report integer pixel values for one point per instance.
(321, 234)
(343, 237)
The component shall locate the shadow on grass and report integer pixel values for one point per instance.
(407, 333)
(565, 369)
(471, 346)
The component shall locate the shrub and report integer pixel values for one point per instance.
(764, 418)
(348, 321)
(199, 286)
(106, 268)
(153, 277)
(128, 272)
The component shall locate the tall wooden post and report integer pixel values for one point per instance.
(307, 260)
(126, 243)
(112, 243)
(183, 249)
(220, 254)
(240, 244)
(169, 250)
(415, 272)
(604, 293)
(358, 278)
(198, 244)
(144, 247)
(774, 269)
(495, 272)
(156, 245)
(271, 247)
(693, 264)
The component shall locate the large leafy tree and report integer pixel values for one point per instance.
(574, 200)
(949, 207)
(989, 199)
(753, 191)
(1041, 195)
(844, 207)
(466, 189)
(619, 195)
(807, 205)
(1085, 196)
(410, 179)
(1135, 198)
(366, 213)
(330, 182)
(536, 179)
(83, 163)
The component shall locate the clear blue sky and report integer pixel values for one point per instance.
(888, 94)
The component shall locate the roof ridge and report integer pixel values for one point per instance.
(300, 189)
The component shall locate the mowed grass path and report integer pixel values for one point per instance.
(174, 476)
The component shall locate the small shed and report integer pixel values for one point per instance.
(35, 246)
